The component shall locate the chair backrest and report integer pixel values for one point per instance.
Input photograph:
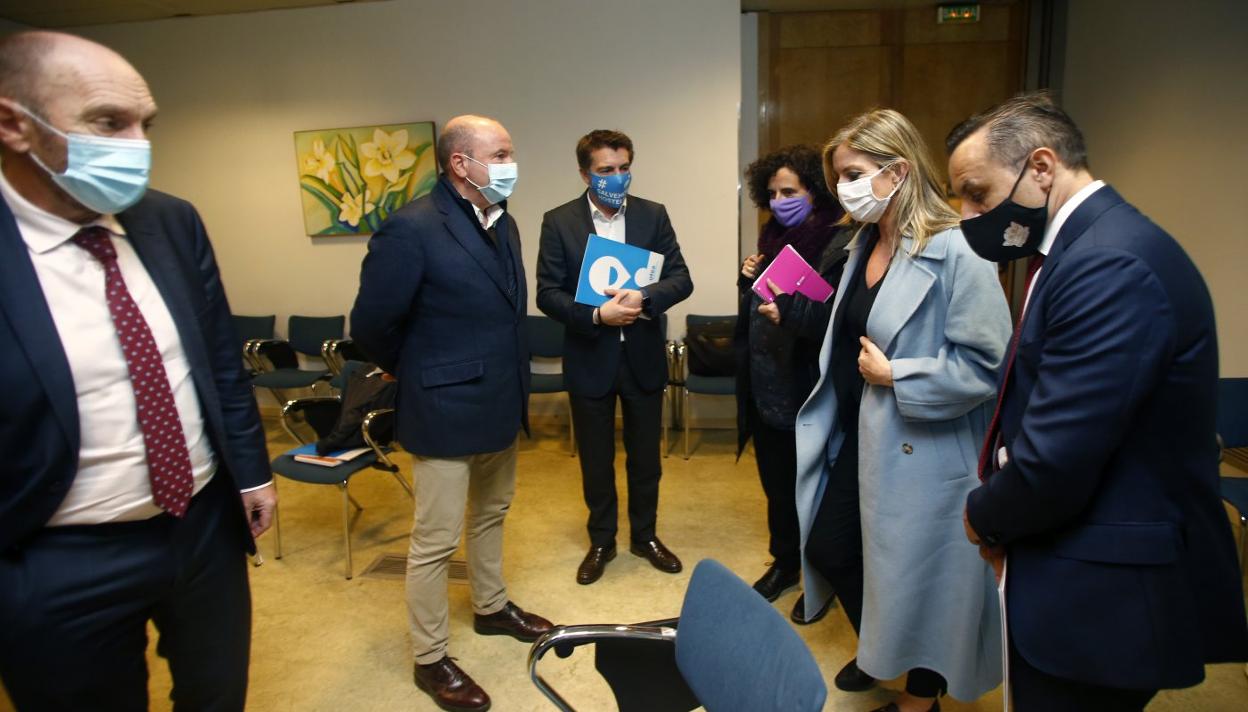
(545, 336)
(758, 663)
(323, 421)
(307, 333)
(254, 327)
(1233, 411)
(708, 344)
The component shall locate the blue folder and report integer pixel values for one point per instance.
(615, 265)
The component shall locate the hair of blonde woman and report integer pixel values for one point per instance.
(889, 138)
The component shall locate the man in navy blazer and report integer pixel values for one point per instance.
(616, 350)
(1101, 475)
(96, 536)
(441, 306)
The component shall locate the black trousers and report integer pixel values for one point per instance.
(594, 419)
(1037, 691)
(834, 546)
(776, 453)
(75, 602)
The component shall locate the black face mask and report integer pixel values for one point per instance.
(1008, 231)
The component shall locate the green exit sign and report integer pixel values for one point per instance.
(950, 14)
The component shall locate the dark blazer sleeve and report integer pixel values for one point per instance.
(248, 455)
(1108, 328)
(553, 274)
(390, 277)
(675, 285)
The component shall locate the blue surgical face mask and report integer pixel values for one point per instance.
(105, 174)
(502, 180)
(611, 190)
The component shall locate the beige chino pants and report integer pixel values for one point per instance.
(444, 488)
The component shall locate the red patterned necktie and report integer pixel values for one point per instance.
(168, 460)
(986, 461)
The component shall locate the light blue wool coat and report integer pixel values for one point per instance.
(930, 601)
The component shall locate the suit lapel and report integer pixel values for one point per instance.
(170, 275)
(465, 233)
(24, 305)
(1075, 225)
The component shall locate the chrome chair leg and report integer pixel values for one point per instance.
(346, 524)
(665, 416)
(357, 505)
(685, 418)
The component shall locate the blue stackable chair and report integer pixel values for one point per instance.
(321, 413)
(757, 663)
(706, 384)
(278, 360)
(1233, 436)
(546, 341)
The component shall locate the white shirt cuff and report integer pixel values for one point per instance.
(258, 487)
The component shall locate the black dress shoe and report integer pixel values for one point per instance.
(776, 581)
(851, 679)
(450, 687)
(657, 554)
(798, 615)
(892, 707)
(594, 563)
(513, 621)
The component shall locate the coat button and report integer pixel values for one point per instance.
(906, 448)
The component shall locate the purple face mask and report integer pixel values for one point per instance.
(792, 211)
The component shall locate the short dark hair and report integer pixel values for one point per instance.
(601, 138)
(22, 66)
(803, 160)
(1020, 125)
(455, 139)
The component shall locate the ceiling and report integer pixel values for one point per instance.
(72, 13)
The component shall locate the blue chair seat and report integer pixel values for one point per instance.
(547, 383)
(284, 378)
(711, 385)
(287, 466)
(1235, 491)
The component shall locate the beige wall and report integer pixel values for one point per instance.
(1159, 89)
(232, 90)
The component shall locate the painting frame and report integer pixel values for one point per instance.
(351, 179)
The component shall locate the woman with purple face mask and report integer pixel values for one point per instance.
(777, 343)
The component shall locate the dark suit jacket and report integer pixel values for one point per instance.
(434, 310)
(591, 354)
(1122, 571)
(39, 422)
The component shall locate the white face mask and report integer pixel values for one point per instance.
(859, 199)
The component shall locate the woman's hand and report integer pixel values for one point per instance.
(874, 365)
(769, 309)
(749, 268)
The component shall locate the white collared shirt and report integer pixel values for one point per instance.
(112, 482)
(612, 227)
(489, 216)
(1050, 236)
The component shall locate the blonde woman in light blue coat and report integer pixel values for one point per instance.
(908, 375)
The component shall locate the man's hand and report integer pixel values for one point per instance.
(873, 364)
(749, 268)
(769, 309)
(621, 309)
(994, 555)
(259, 506)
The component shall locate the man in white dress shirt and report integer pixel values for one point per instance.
(135, 473)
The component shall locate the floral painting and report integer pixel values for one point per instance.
(350, 180)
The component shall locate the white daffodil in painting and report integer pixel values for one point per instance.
(355, 207)
(387, 155)
(319, 162)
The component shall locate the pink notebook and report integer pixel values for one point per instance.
(792, 274)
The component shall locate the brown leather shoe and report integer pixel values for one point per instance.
(594, 563)
(450, 687)
(513, 621)
(658, 555)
